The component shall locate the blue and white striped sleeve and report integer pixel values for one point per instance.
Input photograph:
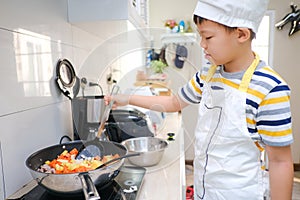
(191, 92)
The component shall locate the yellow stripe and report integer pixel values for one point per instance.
(275, 100)
(225, 81)
(195, 87)
(275, 133)
(256, 93)
(250, 121)
(222, 80)
(236, 86)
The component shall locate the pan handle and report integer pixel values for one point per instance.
(89, 189)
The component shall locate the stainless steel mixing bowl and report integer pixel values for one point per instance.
(151, 150)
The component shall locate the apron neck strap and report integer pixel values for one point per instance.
(246, 78)
(210, 73)
(248, 74)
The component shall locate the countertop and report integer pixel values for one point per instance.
(167, 179)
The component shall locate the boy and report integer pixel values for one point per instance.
(244, 108)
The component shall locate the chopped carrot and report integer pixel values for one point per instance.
(53, 163)
(66, 163)
(80, 169)
(74, 151)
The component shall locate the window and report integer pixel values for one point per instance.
(263, 44)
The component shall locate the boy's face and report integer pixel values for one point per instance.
(220, 45)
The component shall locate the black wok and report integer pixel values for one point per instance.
(75, 182)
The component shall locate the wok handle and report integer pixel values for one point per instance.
(88, 187)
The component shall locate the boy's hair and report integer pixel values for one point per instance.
(198, 20)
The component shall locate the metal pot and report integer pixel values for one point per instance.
(128, 122)
(75, 182)
(151, 150)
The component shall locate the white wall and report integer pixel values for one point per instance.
(286, 52)
(33, 113)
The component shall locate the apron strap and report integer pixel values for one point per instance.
(210, 73)
(248, 74)
(246, 78)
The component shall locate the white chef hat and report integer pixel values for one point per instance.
(233, 13)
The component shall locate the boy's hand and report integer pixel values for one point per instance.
(119, 100)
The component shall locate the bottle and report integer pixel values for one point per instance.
(181, 26)
(149, 58)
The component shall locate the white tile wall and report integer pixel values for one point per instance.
(24, 132)
(34, 34)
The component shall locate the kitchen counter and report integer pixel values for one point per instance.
(167, 179)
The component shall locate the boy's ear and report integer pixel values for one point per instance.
(243, 34)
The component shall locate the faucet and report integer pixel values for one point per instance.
(295, 26)
(293, 17)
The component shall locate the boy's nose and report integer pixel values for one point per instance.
(203, 44)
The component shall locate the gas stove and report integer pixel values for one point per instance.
(124, 187)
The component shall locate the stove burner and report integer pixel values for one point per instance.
(129, 182)
(131, 189)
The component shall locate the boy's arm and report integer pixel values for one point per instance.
(158, 103)
(281, 172)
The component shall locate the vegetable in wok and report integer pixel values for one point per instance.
(66, 163)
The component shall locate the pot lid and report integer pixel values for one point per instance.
(66, 79)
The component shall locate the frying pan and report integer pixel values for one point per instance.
(75, 182)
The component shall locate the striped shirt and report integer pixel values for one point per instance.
(268, 112)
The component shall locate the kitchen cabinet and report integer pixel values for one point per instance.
(121, 26)
(97, 16)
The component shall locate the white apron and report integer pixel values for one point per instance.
(227, 163)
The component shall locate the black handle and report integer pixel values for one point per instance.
(88, 187)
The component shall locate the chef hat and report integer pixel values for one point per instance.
(233, 13)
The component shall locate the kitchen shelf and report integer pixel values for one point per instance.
(178, 38)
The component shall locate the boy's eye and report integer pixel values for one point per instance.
(208, 37)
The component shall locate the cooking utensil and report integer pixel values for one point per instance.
(91, 149)
(119, 158)
(107, 110)
(71, 183)
(151, 150)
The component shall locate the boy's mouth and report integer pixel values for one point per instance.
(209, 58)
